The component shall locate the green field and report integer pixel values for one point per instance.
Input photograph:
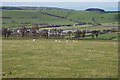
(46, 58)
(86, 16)
(106, 36)
(16, 18)
(28, 18)
(83, 27)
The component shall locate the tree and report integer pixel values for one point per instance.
(83, 33)
(34, 29)
(69, 33)
(23, 29)
(6, 32)
(95, 32)
(77, 33)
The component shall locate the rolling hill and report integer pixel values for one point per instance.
(15, 18)
(55, 16)
(30, 8)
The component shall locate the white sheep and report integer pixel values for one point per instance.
(66, 40)
(34, 40)
(55, 40)
(59, 41)
(74, 41)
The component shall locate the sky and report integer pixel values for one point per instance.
(59, 0)
(107, 6)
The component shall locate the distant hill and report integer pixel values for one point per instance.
(11, 8)
(95, 9)
(13, 17)
(31, 8)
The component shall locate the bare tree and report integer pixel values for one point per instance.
(69, 33)
(77, 33)
(96, 33)
(34, 29)
(23, 29)
(6, 32)
(83, 33)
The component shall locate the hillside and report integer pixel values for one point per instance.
(86, 16)
(95, 9)
(30, 8)
(19, 18)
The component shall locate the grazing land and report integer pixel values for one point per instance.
(16, 18)
(46, 58)
(84, 27)
(86, 16)
(89, 57)
(28, 18)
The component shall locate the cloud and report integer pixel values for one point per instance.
(60, 0)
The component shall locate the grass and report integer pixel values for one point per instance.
(104, 36)
(110, 24)
(69, 27)
(28, 18)
(83, 27)
(46, 58)
(108, 35)
(62, 13)
(86, 16)
(31, 17)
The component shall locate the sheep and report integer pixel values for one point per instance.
(66, 40)
(74, 41)
(59, 41)
(34, 40)
(55, 40)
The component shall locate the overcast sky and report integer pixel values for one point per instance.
(59, 0)
(108, 5)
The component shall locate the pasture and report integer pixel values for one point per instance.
(46, 58)
(18, 18)
(86, 16)
(83, 27)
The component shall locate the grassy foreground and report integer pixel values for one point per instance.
(46, 58)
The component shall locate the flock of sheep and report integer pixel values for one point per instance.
(58, 40)
(65, 41)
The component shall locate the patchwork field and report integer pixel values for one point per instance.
(85, 16)
(83, 27)
(46, 58)
(16, 18)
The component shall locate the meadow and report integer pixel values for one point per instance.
(17, 18)
(84, 27)
(46, 58)
(28, 18)
(86, 16)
